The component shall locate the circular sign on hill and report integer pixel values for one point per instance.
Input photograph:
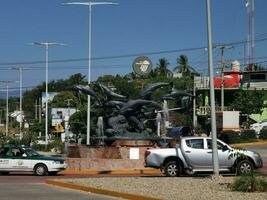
(142, 65)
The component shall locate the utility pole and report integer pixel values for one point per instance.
(194, 104)
(7, 82)
(222, 48)
(40, 110)
(215, 159)
(20, 70)
(251, 35)
(68, 100)
(40, 114)
(36, 110)
(1, 115)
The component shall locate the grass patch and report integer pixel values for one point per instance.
(249, 183)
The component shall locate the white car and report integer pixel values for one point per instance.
(23, 159)
(257, 127)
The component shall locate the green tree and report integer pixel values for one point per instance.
(121, 85)
(248, 102)
(184, 67)
(60, 100)
(162, 67)
(78, 122)
(29, 97)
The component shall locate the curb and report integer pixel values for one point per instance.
(249, 144)
(100, 191)
(111, 172)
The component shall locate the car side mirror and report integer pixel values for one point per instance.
(225, 148)
(24, 155)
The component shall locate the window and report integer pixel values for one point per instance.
(3, 152)
(219, 145)
(16, 152)
(31, 152)
(195, 143)
(257, 76)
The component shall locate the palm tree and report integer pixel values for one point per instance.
(162, 67)
(182, 65)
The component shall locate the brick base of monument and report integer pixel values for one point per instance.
(81, 157)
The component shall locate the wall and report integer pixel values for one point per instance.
(104, 158)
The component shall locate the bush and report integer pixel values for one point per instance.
(8, 140)
(230, 137)
(248, 134)
(249, 183)
(56, 145)
(263, 134)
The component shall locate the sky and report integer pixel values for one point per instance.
(154, 28)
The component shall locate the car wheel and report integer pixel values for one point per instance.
(53, 173)
(173, 168)
(40, 170)
(244, 167)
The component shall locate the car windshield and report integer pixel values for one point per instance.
(31, 152)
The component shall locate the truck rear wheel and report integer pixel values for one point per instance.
(173, 169)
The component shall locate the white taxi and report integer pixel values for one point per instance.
(22, 159)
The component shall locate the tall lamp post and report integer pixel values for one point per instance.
(20, 70)
(215, 159)
(89, 5)
(7, 82)
(46, 45)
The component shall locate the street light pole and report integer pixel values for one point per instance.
(7, 120)
(7, 111)
(215, 159)
(90, 5)
(46, 45)
(194, 103)
(20, 70)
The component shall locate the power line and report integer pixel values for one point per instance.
(128, 55)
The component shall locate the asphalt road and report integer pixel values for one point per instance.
(29, 187)
(262, 150)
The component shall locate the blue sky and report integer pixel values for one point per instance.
(133, 27)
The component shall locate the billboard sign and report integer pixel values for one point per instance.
(142, 65)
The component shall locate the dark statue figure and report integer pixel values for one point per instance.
(129, 119)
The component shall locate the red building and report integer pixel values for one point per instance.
(231, 79)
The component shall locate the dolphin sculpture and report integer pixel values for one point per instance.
(86, 90)
(175, 94)
(134, 105)
(146, 93)
(107, 91)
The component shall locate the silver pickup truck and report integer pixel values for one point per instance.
(194, 154)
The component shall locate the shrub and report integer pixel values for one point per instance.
(263, 134)
(28, 138)
(8, 140)
(56, 145)
(248, 134)
(249, 183)
(230, 137)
